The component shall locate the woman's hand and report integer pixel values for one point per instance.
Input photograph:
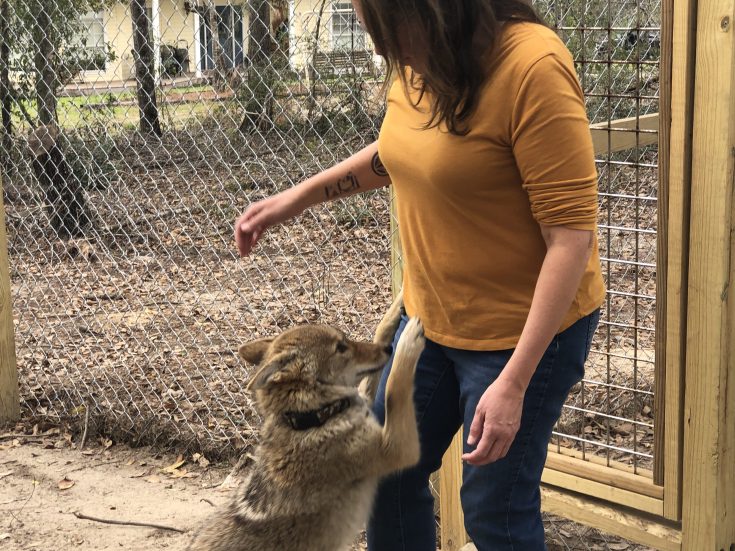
(497, 420)
(260, 216)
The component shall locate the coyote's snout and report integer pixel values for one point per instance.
(313, 354)
(321, 452)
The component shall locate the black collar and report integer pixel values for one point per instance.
(304, 420)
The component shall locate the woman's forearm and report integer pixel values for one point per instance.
(566, 258)
(361, 172)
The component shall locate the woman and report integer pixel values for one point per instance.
(487, 145)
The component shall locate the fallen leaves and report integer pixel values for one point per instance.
(139, 333)
(65, 483)
(172, 468)
(175, 471)
(202, 461)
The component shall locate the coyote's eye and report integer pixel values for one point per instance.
(341, 347)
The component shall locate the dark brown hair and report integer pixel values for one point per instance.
(456, 70)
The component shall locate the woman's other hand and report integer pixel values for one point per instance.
(497, 420)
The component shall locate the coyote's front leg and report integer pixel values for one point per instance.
(386, 329)
(400, 438)
(384, 334)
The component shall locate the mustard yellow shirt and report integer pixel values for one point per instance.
(469, 207)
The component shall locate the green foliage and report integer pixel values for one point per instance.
(51, 34)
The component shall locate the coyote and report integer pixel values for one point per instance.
(321, 453)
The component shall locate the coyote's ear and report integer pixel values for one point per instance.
(275, 371)
(254, 351)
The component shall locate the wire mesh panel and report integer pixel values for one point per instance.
(616, 45)
(129, 296)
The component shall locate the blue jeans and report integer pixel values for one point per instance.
(501, 501)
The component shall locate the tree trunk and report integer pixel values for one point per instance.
(144, 77)
(261, 76)
(5, 97)
(311, 69)
(219, 73)
(64, 198)
(45, 64)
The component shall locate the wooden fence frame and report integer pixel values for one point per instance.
(9, 398)
(688, 502)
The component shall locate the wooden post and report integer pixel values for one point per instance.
(9, 399)
(662, 246)
(675, 155)
(708, 513)
(453, 534)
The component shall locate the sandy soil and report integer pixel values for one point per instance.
(45, 479)
(42, 486)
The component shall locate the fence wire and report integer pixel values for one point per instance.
(617, 48)
(129, 298)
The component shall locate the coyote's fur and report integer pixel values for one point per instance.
(321, 452)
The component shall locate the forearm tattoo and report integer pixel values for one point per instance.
(345, 184)
(378, 166)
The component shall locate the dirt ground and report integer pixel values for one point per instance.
(45, 481)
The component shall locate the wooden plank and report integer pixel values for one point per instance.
(9, 399)
(448, 479)
(603, 461)
(601, 490)
(623, 134)
(604, 474)
(678, 192)
(397, 283)
(453, 534)
(611, 519)
(709, 428)
(662, 240)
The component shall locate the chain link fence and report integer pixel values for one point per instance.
(130, 299)
(135, 133)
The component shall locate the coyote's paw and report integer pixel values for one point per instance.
(411, 344)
